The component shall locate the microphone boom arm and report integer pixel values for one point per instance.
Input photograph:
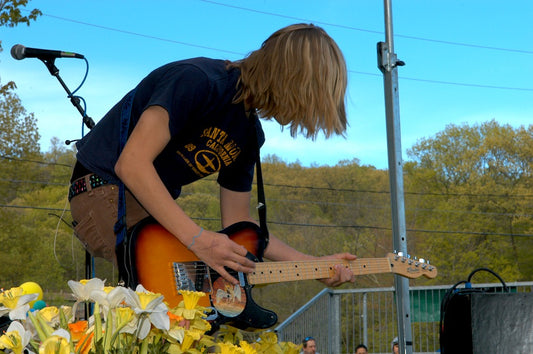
(54, 71)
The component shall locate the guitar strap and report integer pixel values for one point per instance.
(120, 226)
(261, 202)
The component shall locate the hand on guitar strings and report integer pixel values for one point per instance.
(342, 274)
(218, 251)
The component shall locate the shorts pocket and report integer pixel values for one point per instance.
(97, 242)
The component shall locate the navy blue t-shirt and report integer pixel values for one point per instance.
(209, 133)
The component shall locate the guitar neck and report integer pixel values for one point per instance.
(277, 272)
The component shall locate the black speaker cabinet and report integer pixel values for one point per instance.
(481, 323)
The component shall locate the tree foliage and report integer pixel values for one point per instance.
(19, 139)
(11, 14)
(481, 177)
(19, 136)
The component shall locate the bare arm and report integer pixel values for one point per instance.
(135, 168)
(235, 206)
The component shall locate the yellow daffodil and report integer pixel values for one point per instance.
(247, 347)
(55, 345)
(176, 334)
(66, 310)
(11, 341)
(189, 308)
(15, 338)
(230, 334)
(228, 348)
(9, 298)
(188, 339)
(200, 324)
(50, 314)
(108, 289)
(124, 315)
(269, 343)
(15, 302)
(146, 300)
(191, 298)
(290, 348)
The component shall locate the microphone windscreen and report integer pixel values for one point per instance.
(17, 51)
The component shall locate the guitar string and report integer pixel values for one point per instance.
(320, 266)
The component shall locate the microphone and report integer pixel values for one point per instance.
(19, 52)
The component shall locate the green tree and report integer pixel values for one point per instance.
(477, 183)
(11, 15)
(19, 141)
(18, 130)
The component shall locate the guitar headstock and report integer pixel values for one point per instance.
(411, 268)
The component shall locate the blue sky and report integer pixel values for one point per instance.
(466, 61)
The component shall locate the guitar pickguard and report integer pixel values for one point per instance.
(236, 305)
(228, 299)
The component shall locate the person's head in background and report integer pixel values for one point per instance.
(309, 345)
(361, 349)
(395, 346)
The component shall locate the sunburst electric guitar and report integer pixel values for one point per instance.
(162, 264)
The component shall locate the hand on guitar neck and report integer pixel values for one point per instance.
(342, 273)
(280, 251)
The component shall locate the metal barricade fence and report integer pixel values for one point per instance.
(340, 320)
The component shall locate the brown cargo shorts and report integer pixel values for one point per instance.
(95, 213)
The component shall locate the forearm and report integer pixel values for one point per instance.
(278, 250)
(141, 178)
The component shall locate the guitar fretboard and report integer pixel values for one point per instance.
(276, 272)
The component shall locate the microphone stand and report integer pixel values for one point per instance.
(88, 121)
(54, 71)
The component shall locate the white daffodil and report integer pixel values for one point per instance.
(146, 303)
(62, 333)
(109, 298)
(16, 338)
(82, 289)
(15, 302)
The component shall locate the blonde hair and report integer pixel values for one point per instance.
(297, 77)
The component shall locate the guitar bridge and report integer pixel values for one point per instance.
(192, 276)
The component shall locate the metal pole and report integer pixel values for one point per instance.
(365, 319)
(388, 63)
(335, 323)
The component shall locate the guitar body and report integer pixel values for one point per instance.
(151, 256)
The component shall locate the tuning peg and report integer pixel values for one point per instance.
(422, 260)
(400, 254)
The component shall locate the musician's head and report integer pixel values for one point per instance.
(299, 78)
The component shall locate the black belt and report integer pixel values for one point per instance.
(80, 185)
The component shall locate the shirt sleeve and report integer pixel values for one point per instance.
(183, 91)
